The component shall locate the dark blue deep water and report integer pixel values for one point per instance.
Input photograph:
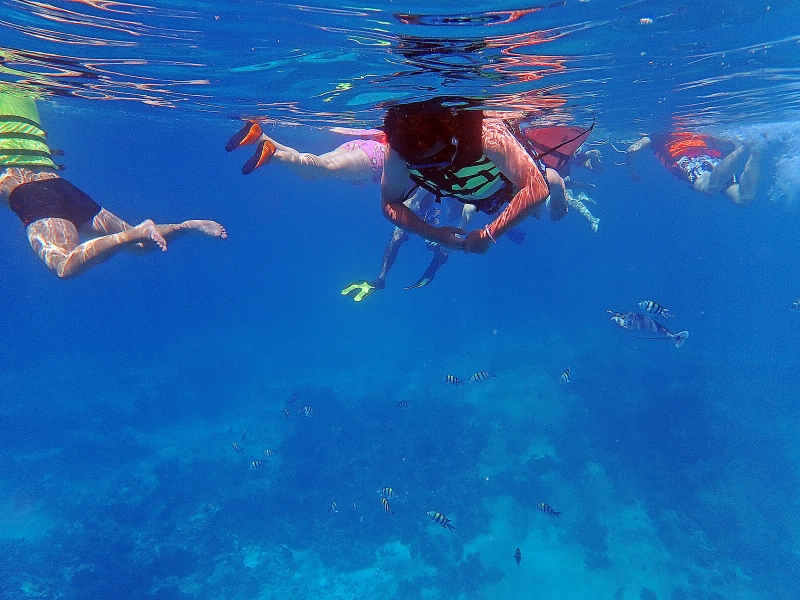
(123, 390)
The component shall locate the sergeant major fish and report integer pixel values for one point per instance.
(453, 380)
(566, 376)
(655, 309)
(645, 327)
(440, 519)
(481, 376)
(548, 510)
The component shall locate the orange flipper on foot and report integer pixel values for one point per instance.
(247, 135)
(264, 152)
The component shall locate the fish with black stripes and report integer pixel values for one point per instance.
(481, 376)
(566, 376)
(386, 506)
(440, 519)
(453, 380)
(655, 309)
(549, 510)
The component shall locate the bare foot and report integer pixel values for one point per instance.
(211, 228)
(148, 229)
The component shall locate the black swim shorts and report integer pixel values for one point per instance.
(52, 198)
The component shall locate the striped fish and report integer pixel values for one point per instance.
(548, 510)
(308, 410)
(453, 380)
(565, 376)
(386, 506)
(655, 309)
(267, 453)
(255, 464)
(386, 492)
(440, 519)
(481, 376)
(333, 508)
(403, 404)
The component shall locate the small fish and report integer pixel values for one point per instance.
(286, 413)
(565, 376)
(255, 464)
(518, 556)
(386, 492)
(453, 380)
(796, 305)
(244, 435)
(655, 309)
(236, 447)
(386, 506)
(548, 510)
(403, 404)
(292, 400)
(333, 508)
(481, 376)
(440, 519)
(308, 410)
(647, 328)
(267, 453)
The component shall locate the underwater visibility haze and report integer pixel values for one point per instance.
(220, 421)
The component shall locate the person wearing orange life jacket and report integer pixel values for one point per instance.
(54, 212)
(451, 150)
(709, 164)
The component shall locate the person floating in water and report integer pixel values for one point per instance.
(560, 148)
(709, 164)
(452, 151)
(54, 212)
(360, 161)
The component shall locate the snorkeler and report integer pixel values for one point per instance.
(360, 160)
(422, 204)
(710, 165)
(455, 152)
(560, 148)
(54, 212)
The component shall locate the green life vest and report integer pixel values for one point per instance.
(22, 140)
(469, 184)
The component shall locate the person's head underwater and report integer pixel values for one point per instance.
(433, 133)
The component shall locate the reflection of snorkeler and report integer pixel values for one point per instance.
(55, 212)
(711, 165)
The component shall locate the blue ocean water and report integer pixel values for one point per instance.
(124, 390)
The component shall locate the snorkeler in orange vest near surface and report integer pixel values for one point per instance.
(709, 164)
(54, 212)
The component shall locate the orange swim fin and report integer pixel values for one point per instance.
(247, 135)
(263, 153)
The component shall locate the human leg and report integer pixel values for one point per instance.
(745, 191)
(558, 195)
(577, 203)
(723, 171)
(56, 243)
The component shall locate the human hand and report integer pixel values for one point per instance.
(477, 242)
(450, 237)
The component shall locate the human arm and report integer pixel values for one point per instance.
(515, 163)
(393, 187)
